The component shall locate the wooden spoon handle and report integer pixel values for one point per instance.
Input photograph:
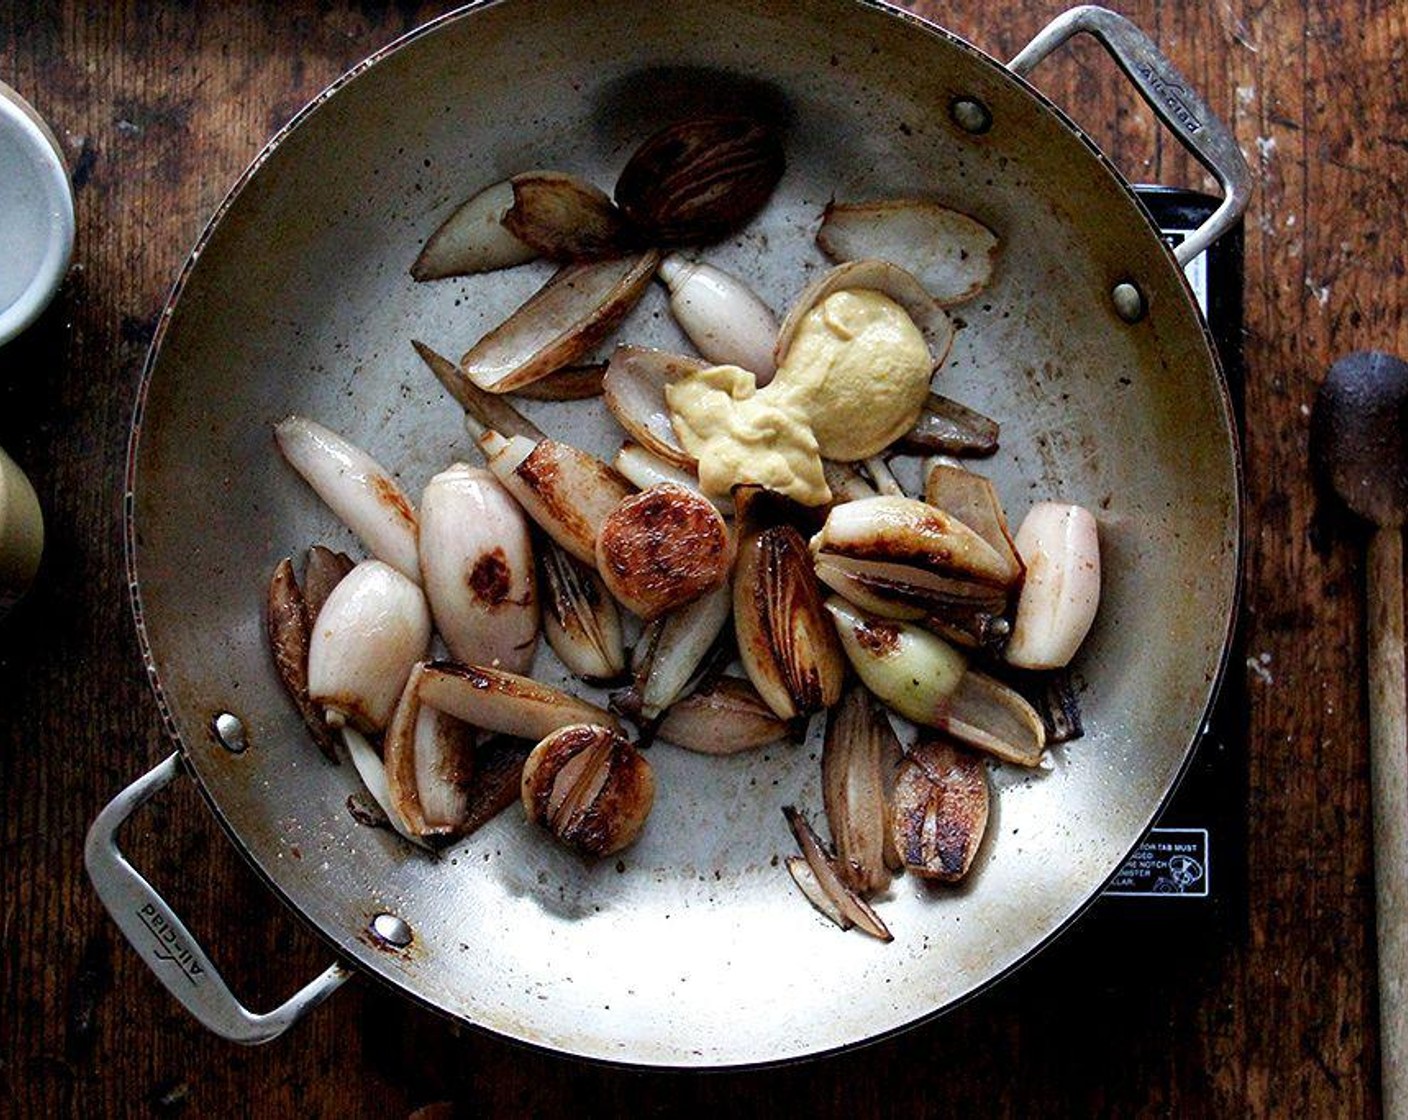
(1388, 759)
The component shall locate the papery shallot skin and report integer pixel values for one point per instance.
(289, 628)
(356, 487)
(1060, 546)
(476, 561)
(371, 631)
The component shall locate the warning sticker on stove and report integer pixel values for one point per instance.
(1169, 861)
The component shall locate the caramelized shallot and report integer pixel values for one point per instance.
(700, 178)
(575, 310)
(727, 717)
(505, 702)
(579, 616)
(566, 491)
(355, 487)
(672, 647)
(570, 383)
(940, 810)
(829, 878)
(565, 218)
(972, 499)
(634, 387)
(787, 645)
(645, 469)
(476, 564)
(662, 548)
(289, 630)
(946, 427)
(473, 238)
(909, 669)
(907, 531)
(484, 411)
(372, 630)
(722, 316)
(905, 592)
(858, 767)
(372, 771)
(1060, 546)
(429, 760)
(323, 572)
(589, 787)
(810, 886)
(985, 714)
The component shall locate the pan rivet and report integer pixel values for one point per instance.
(970, 115)
(392, 930)
(1128, 301)
(229, 730)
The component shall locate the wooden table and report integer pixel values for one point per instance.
(1268, 1010)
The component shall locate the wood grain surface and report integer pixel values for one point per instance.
(1268, 1008)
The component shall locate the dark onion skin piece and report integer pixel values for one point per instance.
(589, 787)
(663, 548)
(487, 408)
(940, 810)
(700, 178)
(290, 633)
(565, 218)
(323, 572)
(830, 880)
(946, 427)
(570, 383)
(497, 781)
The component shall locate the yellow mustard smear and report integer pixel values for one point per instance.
(853, 381)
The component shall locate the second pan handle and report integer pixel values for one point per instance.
(1175, 102)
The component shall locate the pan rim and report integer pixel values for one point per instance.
(350, 950)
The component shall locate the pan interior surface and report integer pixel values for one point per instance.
(692, 948)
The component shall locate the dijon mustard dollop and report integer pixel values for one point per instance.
(853, 381)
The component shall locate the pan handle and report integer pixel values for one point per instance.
(161, 938)
(1172, 99)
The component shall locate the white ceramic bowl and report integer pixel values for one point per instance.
(36, 214)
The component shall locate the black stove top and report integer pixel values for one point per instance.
(1191, 867)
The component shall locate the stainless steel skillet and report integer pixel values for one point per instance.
(693, 949)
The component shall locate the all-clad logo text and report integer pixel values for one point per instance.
(169, 946)
(1171, 95)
